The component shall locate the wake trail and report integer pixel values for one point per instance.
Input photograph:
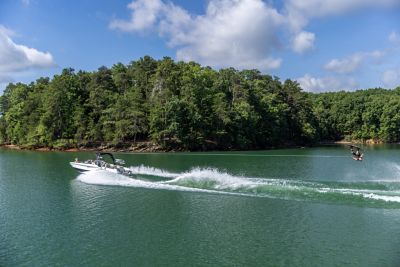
(145, 170)
(101, 177)
(212, 180)
(249, 155)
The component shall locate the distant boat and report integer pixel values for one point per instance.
(100, 164)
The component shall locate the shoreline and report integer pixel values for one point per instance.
(148, 147)
(145, 147)
(138, 148)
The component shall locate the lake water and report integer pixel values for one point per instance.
(292, 207)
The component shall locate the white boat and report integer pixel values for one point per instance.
(100, 164)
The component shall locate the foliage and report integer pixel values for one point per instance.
(186, 106)
(361, 115)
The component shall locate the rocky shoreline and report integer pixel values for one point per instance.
(152, 147)
(139, 147)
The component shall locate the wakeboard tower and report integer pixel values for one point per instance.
(100, 164)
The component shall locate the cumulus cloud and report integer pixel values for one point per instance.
(303, 41)
(346, 65)
(234, 33)
(391, 78)
(240, 33)
(15, 57)
(17, 60)
(313, 84)
(144, 15)
(352, 63)
(299, 13)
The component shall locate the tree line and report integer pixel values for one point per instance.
(186, 106)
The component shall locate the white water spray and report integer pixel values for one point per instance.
(214, 181)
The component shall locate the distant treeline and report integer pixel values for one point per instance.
(186, 106)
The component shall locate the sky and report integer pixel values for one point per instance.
(325, 45)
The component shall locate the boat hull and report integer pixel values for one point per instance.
(83, 167)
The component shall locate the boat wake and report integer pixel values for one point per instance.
(384, 194)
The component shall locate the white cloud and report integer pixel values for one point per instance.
(144, 15)
(299, 12)
(15, 57)
(17, 61)
(394, 37)
(324, 84)
(391, 78)
(26, 2)
(241, 33)
(354, 62)
(6, 31)
(235, 33)
(303, 41)
(346, 65)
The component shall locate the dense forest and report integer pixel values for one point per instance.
(185, 106)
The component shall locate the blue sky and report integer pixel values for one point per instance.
(326, 45)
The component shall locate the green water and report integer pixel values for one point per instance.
(294, 207)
